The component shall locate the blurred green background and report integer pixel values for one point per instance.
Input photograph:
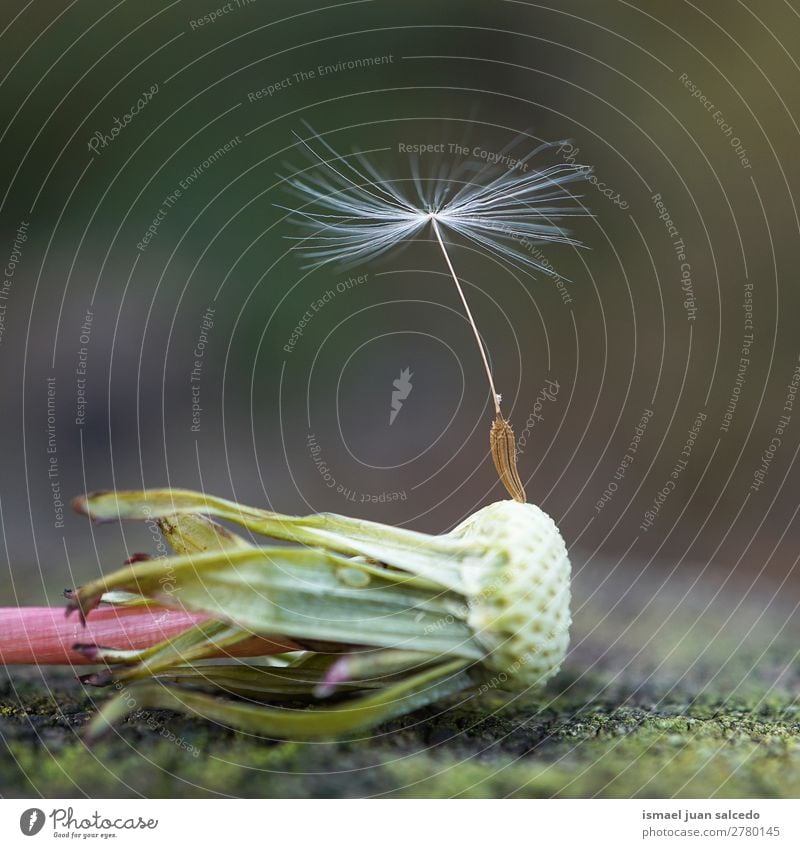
(697, 104)
(609, 77)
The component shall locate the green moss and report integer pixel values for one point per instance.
(581, 744)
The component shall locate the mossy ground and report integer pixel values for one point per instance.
(639, 710)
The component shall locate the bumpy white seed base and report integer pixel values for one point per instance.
(519, 598)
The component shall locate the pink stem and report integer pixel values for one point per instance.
(44, 636)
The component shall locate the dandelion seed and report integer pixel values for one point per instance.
(353, 213)
(504, 454)
(382, 619)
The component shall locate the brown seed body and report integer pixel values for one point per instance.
(504, 453)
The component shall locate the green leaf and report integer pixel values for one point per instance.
(369, 667)
(257, 681)
(203, 640)
(301, 593)
(189, 533)
(436, 558)
(124, 599)
(309, 676)
(354, 715)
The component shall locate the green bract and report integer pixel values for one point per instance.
(384, 620)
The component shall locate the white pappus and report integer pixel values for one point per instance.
(353, 213)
